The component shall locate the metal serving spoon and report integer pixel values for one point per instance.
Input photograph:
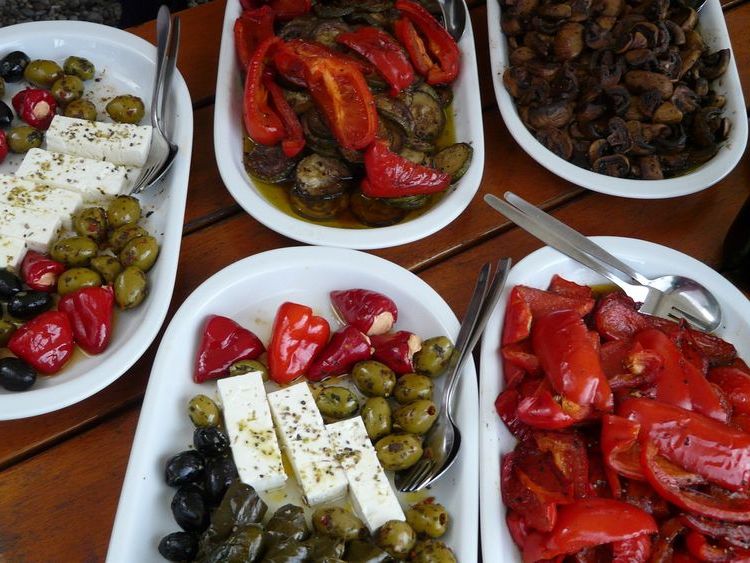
(454, 16)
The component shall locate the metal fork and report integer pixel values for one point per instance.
(162, 151)
(444, 438)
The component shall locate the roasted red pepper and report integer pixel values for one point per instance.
(347, 347)
(262, 123)
(3, 146)
(40, 272)
(223, 342)
(737, 535)
(536, 501)
(396, 350)
(506, 406)
(391, 175)
(294, 140)
(45, 342)
(736, 385)
(250, 30)
(619, 443)
(384, 52)
(542, 410)
(290, 58)
(89, 311)
(545, 302)
(284, 9)
(517, 320)
(369, 311)
(297, 339)
(567, 288)
(521, 355)
(38, 107)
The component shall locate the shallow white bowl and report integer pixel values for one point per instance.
(229, 131)
(715, 33)
(536, 270)
(127, 63)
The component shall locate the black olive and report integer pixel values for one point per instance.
(16, 375)
(189, 508)
(10, 284)
(13, 65)
(178, 546)
(210, 440)
(185, 467)
(6, 115)
(28, 304)
(220, 473)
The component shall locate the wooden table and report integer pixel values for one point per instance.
(61, 473)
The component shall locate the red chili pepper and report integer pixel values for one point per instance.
(262, 123)
(736, 384)
(40, 272)
(384, 52)
(38, 107)
(541, 410)
(517, 320)
(223, 342)
(250, 30)
(294, 140)
(391, 175)
(284, 9)
(89, 311)
(298, 337)
(396, 350)
(369, 311)
(45, 342)
(619, 443)
(3, 146)
(347, 347)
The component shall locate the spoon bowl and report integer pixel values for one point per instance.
(454, 17)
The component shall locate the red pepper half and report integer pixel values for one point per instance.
(38, 107)
(294, 140)
(40, 272)
(262, 123)
(391, 175)
(369, 311)
(250, 30)
(396, 350)
(347, 347)
(223, 342)
(89, 311)
(45, 342)
(298, 337)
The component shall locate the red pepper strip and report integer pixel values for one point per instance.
(223, 342)
(737, 535)
(521, 355)
(570, 457)
(718, 351)
(294, 141)
(634, 550)
(90, 312)
(346, 348)
(699, 547)
(292, 57)
(537, 513)
(588, 523)
(298, 336)
(384, 52)
(620, 449)
(506, 406)
(3, 146)
(262, 123)
(517, 320)
(40, 272)
(391, 175)
(396, 350)
(616, 317)
(441, 46)
(38, 108)
(567, 288)
(541, 410)
(284, 9)
(45, 342)
(517, 527)
(370, 311)
(250, 30)
(569, 360)
(544, 302)
(736, 385)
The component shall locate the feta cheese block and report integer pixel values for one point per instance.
(371, 492)
(12, 251)
(117, 143)
(35, 228)
(249, 424)
(92, 178)
(303, 436)
(24, 193)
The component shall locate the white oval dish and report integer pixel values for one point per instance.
(250, 291)
(229, 131)
(536, 270)
(128, 65)
(715, 34)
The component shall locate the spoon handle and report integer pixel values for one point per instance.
(163, 29)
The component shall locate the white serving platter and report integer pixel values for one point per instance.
(250, 292)
(714, 31)
(125, 65)
(229, 132)
(536, 270)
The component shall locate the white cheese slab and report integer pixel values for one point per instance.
(118, 143)
(251, 433)
(12, 251)
(36, 228)
(372, 495)
(303, 436)
(24, 193)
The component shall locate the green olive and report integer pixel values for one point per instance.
(108, 267)
(126, 109)
(91, 222)
(373, 378)
(428, 518)
(80, 67)
(67, 89)
(336, 402)
(141, 252)
(81, 109)
(399, 451)
(42, 73)
(339, 523)
(123, 209)
(416, 417)
(376, 415)
(432, 551)
(131, 287)
(124, 234)
(247, 366)
(76, 278)
(396, 537)
(412, 387)
(203, 411)
(22, 138)
(7, 329)
(434, 356)
(74, 251)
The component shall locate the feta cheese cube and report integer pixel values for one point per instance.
(36, 228)
(12, 251)
(23, 193)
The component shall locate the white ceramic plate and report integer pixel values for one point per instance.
(536, 270)
(250, 292)
(714, 31)
(125, 65)
(229, 131)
